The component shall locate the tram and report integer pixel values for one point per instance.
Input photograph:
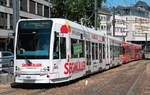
(131, 52)
(146, 51)
(58, 50)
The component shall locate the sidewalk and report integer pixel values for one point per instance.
(5, 78)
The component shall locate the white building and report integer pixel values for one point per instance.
(28, 9)
(137, 27)
(120, 26)
(138, 22)
(105, 22)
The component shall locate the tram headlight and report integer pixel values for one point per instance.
(46, 69)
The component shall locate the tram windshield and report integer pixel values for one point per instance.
(33, 39)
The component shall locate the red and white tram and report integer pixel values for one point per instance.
(58, 50)
(131, 52)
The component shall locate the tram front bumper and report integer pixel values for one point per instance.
(37, 78)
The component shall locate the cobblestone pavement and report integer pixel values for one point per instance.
(129, 79)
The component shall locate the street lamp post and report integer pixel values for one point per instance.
(15, 13)
(95, 3)
(113, 21)
(146, 42)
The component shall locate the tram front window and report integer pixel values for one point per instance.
(33, 40)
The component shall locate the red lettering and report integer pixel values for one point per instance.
(95, 37)
(74, 67)
(67, 69)
(31, 65)
(103, 38)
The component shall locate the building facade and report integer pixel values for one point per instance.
(120, 27)
(105, 23)
(28, 9)
(138, 20)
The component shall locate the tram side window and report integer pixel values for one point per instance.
(121, 50)
(118, 52)
(88, 49)
(100, 53)
(82, 54)
(63, 47)
(59, 42)
(130, 51)
(73, 51)
(103, 51)
(93, 51)
(96, 50)
(112, 51)
(56, 48)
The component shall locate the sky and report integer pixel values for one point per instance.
(110, 3)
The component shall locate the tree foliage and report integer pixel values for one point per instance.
(75, 10)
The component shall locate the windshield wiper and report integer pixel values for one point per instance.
(28, 62)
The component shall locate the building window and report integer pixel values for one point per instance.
(39, 9)
(3, 20)
(32, 7)
(102, 27)
(3, 2)
(46, 11)
(10, 3)
(23, 5)
(11, 21)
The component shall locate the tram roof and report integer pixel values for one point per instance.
(76, 25)
(71, 23)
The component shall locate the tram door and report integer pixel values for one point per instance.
(88, 55)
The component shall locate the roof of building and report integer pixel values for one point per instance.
(105, 10)
(139, 4)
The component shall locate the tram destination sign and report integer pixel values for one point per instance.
(41, 24)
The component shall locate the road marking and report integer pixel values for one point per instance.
(147, 92)
(147, 88)
(138, 78)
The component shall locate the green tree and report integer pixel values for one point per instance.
(74, 10)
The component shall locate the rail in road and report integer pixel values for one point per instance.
(123, 80)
